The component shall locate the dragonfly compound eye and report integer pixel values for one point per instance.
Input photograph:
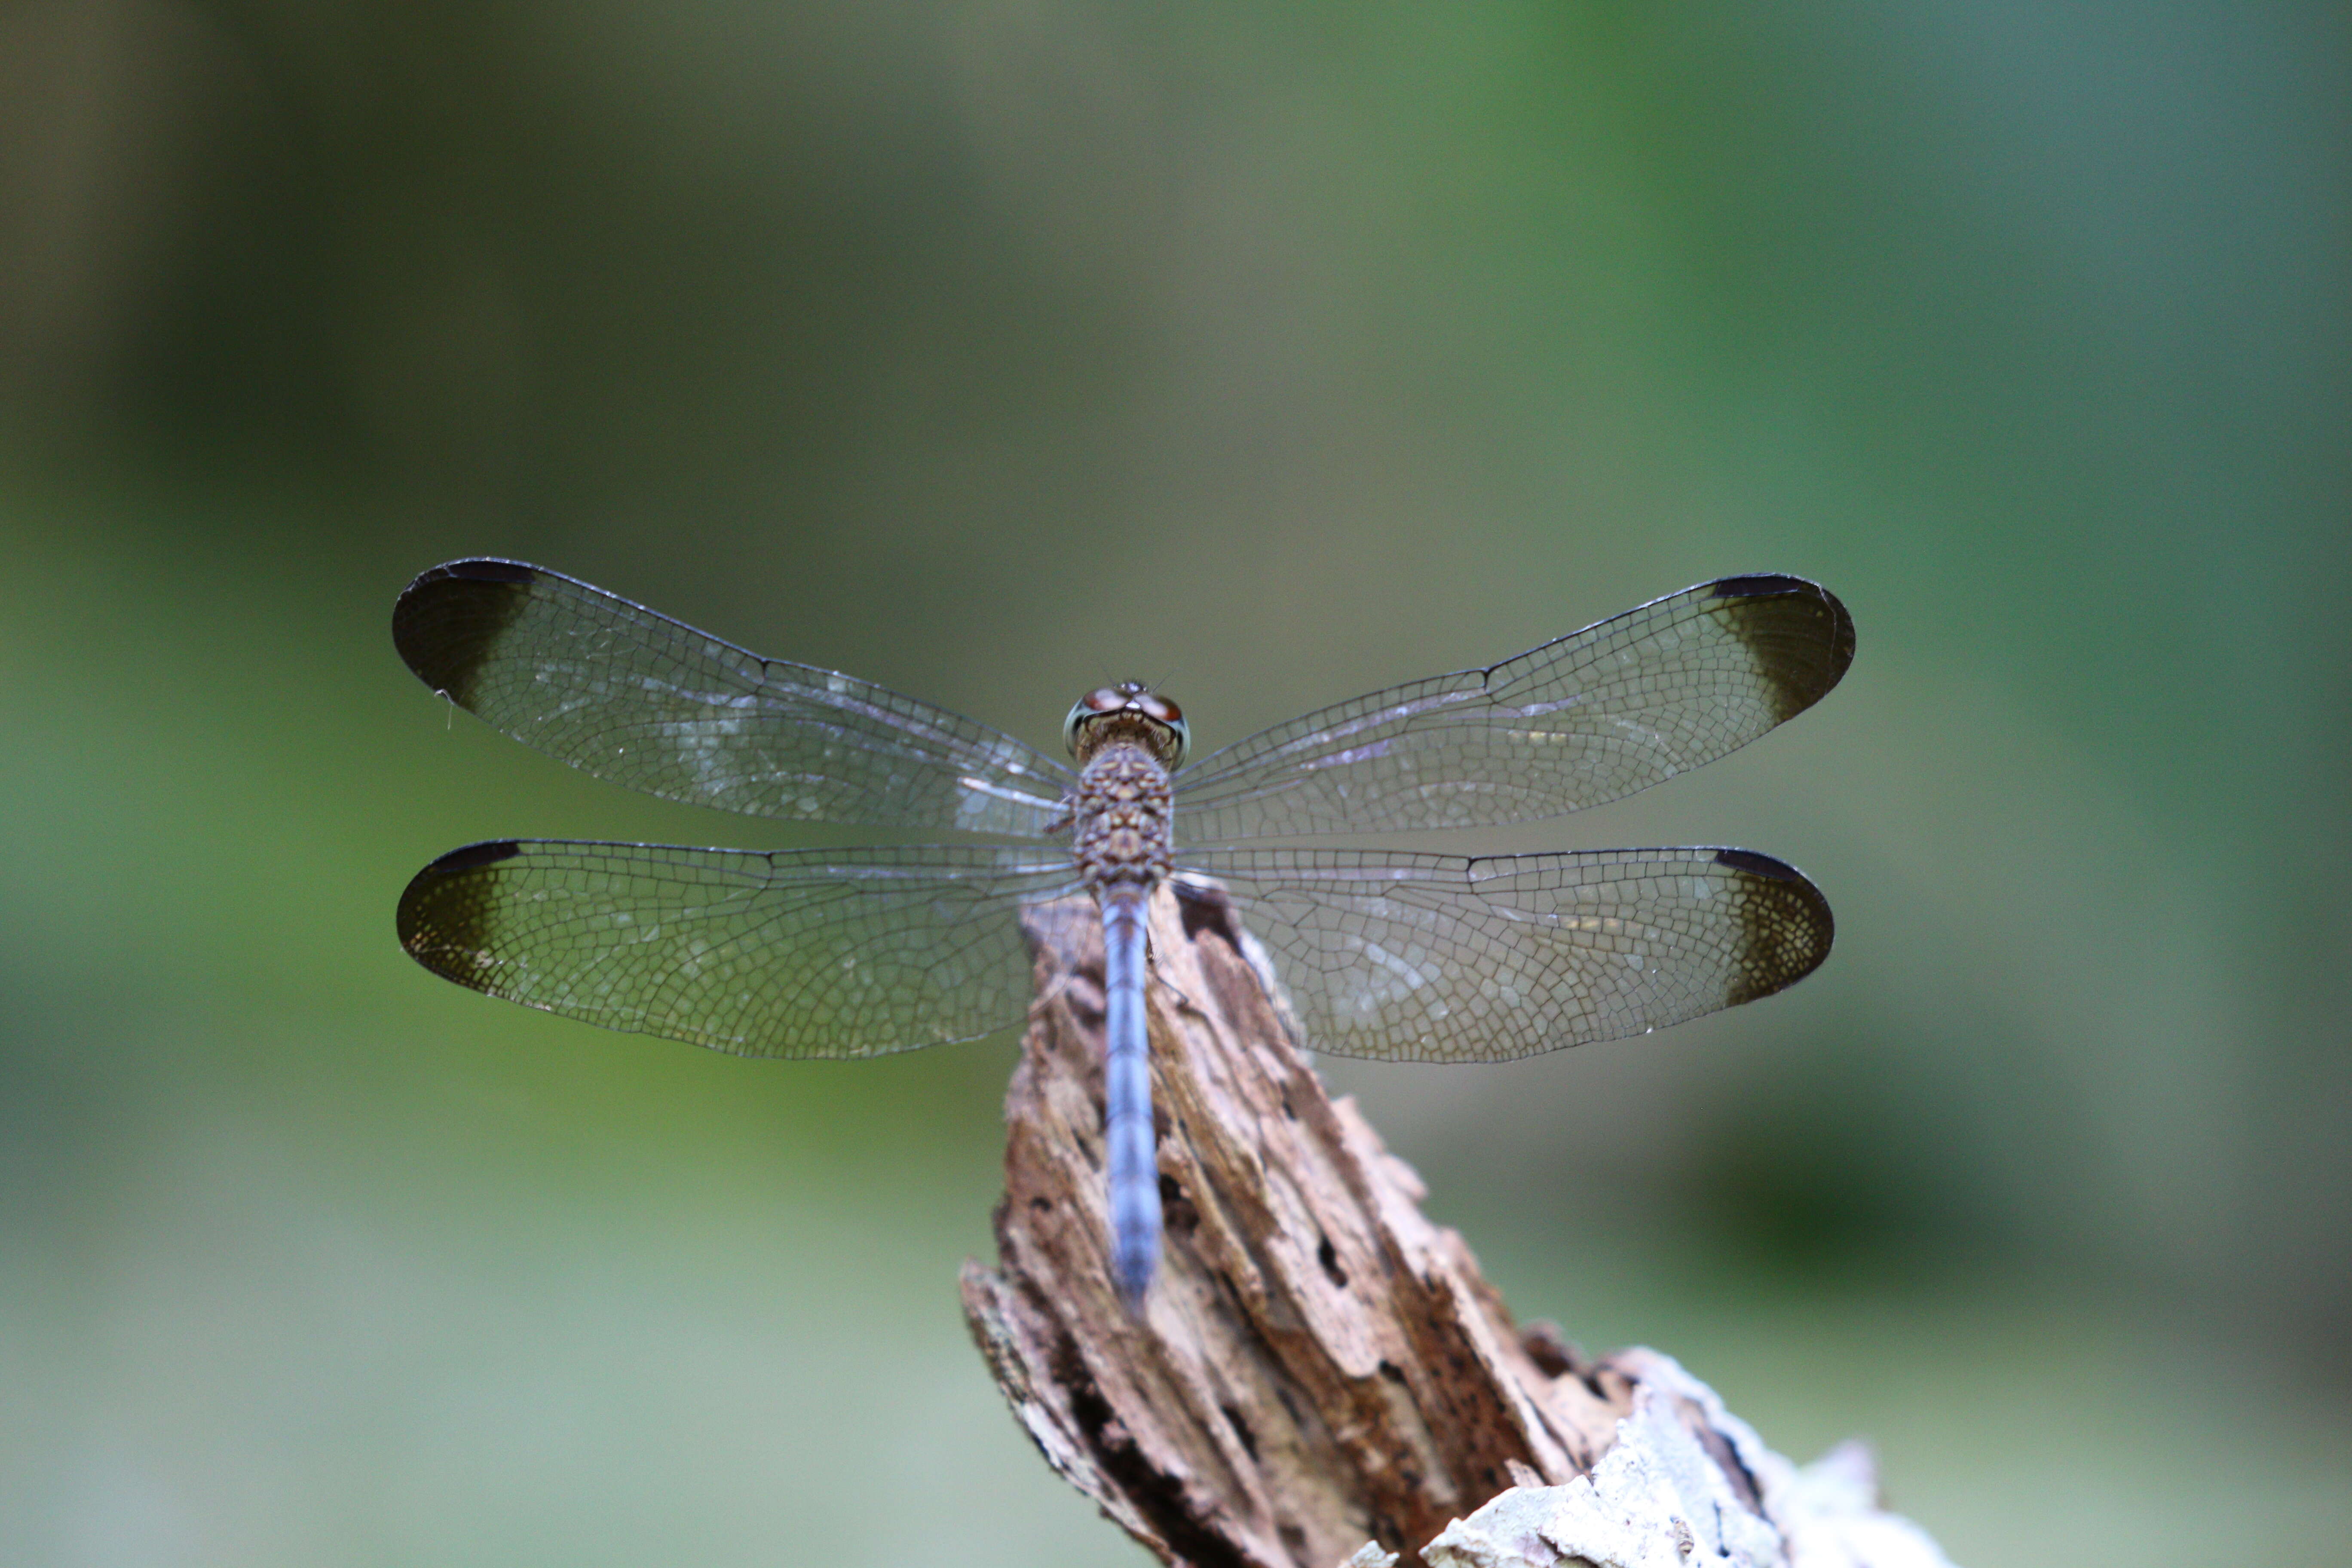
(1171, 717)
(1093, 705)
(1164, 729)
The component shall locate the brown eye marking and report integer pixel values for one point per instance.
(1158, 707)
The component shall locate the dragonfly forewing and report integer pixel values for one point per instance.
(812, 953)
(1411, 957)
(1587, 717)
(627, 695)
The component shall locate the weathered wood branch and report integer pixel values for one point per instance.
(1317, 1366)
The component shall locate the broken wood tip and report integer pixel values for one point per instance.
(1317, 1371)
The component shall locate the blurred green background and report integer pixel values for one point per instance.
(995, 350)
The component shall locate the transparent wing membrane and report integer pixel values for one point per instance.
(627, 695)
(817, 953)
(1591, 717)
(848, 952)
(1408, 957)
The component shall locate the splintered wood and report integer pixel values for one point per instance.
(1317, 1365)
(1320, 1377)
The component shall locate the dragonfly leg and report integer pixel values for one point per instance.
(1159, 977)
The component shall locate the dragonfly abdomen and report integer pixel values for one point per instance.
(1131, 1161)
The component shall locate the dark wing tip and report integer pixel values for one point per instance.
(444, 912)
(1785, 924)
(474, 857)
(483, 569)
(1800, 636)
(451, 617)
(1760, 584)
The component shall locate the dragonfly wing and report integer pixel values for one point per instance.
(637, 698)
(812, 953)
(1589, 718)
(1409, 957)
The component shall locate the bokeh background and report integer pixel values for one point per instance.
(998, 348)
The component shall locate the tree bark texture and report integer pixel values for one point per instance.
(1319, 1374)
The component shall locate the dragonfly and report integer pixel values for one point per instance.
(1399, 955)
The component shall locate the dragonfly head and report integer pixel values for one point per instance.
(1128, 711)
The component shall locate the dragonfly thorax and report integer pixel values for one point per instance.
(1122, 818)
(1130, 712)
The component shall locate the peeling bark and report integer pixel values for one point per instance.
(1320, 1373)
